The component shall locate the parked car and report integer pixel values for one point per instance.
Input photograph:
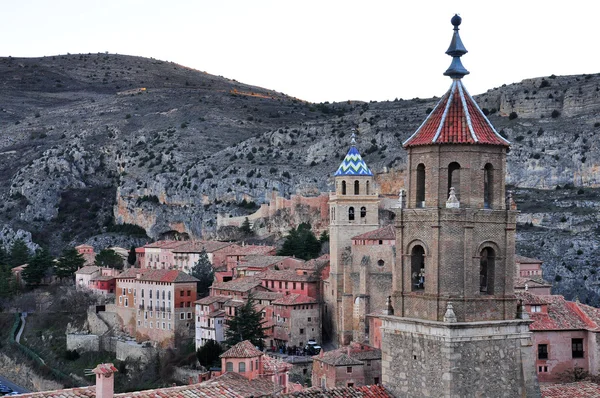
(312, 348)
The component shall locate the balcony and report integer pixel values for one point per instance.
(149, 308)
(141, 306)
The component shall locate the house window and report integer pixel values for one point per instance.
(242, 367)
(376, 380)
(301, 331)
(182, 316)
(309, 319)
(577, 348)
(189, 315)
(542, 351)
(542, 369)
(181, 293)
(349, 369)
(536, 308)
(189, 293)
(229, 367)
(350, 384)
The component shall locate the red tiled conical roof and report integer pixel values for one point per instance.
(456, 119)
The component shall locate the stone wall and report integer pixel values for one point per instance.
(455, 360)
(83, 342)
(25, 376)
(132, 350)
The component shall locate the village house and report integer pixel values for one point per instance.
(156, 304)
(296, 319)
(291, 282)
(210, 319)
(255, 264)
(237, 288)
(530, 276)
(101, 280)
(354, 365)
(87, 252)
(247, 360)
(179, 255)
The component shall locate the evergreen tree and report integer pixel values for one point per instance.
(204, 272)
(131, 257)
(246, 324)
(68, 263)
(245, 227)
(8, 283)
(208, 354)
(109, 258)
(37, 267)
(4, 256)
(301, 242)
(19, 253)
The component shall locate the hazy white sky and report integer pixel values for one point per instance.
(321, 50)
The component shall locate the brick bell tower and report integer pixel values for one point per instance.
(353, 210)
(455, 331)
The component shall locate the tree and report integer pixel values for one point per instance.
(37, 267)
(8, 283)
(69, 262)
(109, 258)
(208, 354)
(301, 242)
(204, 272)
(245, 227)
(19, 253)
(246, 324)
(131, 257)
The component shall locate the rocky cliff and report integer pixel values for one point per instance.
(95, 145)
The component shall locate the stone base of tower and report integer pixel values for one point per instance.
(454, 360)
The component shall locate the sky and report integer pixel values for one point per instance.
(325, 50)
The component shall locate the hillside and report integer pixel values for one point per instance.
(93, 141)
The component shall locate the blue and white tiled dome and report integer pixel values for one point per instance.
(353, 164)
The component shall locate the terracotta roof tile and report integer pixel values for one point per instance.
(157, 275)
(294, 299)
(244, 349)
(456, 119)
(208, 300)
(530, 281)
(285, 275)
(88, 270)
(527, 260)
(238, 285)
(353, 354)
(236, 250)
(580, 389)
(245, 388)
(260, 260)
(385, 233)
(372, 391)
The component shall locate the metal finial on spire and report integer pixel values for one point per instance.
(353, 138)
(456, 50)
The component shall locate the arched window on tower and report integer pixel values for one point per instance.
(454, 179)
(363, 212)
(351, 213)
(420, 198)
(488, 186)
(486, 271)
(367, 187)
(356, 187)
(343, 187)
(417, 268)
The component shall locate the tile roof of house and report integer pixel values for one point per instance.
(353, 164)
(243, 284)
(88, 270)
(164, 244)
(294, 299)
(530, 281)
(311, 264)
(157, 275)
(284, 275)
(579, 389)
(217, 314)
(208, 300)
(272, 364)
(530, 298)
(526, 260)
(80, 392)
(385, 233)
(234, 303)
(260, 261)
(103, 278)
(237, 250)
(353, 354)
(198, 245)
(243, 349)
(456, 119)
(372, 391)
(562, 314)
(267, 295)
(260, 387)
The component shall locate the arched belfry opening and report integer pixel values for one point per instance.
(454, 179)
(367, 187)
(487, 265)
(343, 187)
(356, 187)
(417, 268)
(363, 212)
(420, 197)
(488, 186)
(351, 214)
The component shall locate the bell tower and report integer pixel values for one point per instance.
(353, 210)
(455, 312)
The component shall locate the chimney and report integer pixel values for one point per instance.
(105, 381)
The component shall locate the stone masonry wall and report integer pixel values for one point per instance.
(436, 359)
(83, 342)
